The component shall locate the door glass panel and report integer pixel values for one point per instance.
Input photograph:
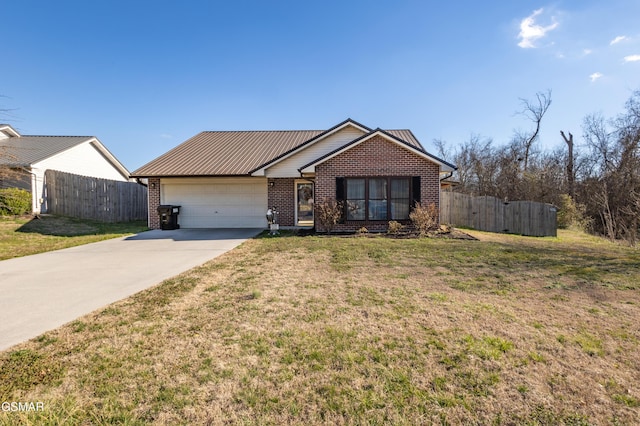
(305, 202)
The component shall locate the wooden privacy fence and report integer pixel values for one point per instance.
(494, 215)
(92, 198)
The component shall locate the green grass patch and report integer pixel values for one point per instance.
(488, 347)
(589, 343)
(24, 369)
(23, 236)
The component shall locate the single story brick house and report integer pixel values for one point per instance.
(230, 178)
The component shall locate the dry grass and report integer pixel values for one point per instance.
(329, 330)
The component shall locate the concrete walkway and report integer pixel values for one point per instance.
(44, 291)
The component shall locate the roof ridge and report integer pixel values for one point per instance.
(257, 131)
(55, 136)
(283, 131)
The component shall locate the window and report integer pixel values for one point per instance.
(378, 198)
(355, 199)
(400, 200)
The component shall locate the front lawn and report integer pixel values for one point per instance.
(333, 330)
(23, 236)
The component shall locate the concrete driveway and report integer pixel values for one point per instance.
(44, 291)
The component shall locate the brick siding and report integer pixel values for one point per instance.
(154, 202)
(376, 157)
(281, 196)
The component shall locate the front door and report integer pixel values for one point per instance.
(304, 203)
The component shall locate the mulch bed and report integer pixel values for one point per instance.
(450, 233)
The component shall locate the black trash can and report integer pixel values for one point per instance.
(168, 216)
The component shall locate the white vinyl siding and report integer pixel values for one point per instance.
(217, 202)
(289, 166)
(83, 159)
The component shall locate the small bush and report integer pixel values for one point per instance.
(328, 213)
(572, 214)
(14, 201)
(394, 227)
(424, 219)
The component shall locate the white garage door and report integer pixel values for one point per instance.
(219, 202)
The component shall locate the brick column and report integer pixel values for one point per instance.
(281, 195)
(154, 202)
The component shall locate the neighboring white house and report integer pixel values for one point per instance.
(33, 155)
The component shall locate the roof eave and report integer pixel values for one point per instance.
(112, 158)
(6, 128)
(198, 175)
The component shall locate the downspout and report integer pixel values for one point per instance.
(39, 200)
(447, 177)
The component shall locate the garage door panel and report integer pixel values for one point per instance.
(235, 199)
(223, 203)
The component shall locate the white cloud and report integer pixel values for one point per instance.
(166, 136)
(586, 52)
(632, 58)
(617, 40)
(530, 31)
(595, 76)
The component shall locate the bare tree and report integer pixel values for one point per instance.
(444, 152)
(601, 175)
(610, 190)
(7, 159)
(600, 137)
(571, 177)
(476, 168)
(534, 110)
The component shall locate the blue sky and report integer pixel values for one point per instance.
(143, 76)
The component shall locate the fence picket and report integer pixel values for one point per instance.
(492, 214)
(93, 198)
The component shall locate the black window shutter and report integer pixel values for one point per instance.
(339, 189)
(415, 190)
(340, 197)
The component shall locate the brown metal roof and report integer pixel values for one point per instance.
(225, 153)
(407, 136)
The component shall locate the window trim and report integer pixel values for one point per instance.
(388, 198)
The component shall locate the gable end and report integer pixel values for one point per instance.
(260, 170)
(444, 166)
